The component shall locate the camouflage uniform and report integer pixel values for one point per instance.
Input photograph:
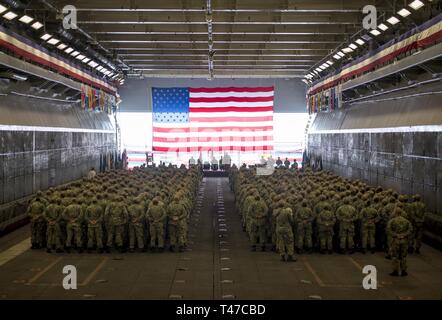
(35, 212)
(346, 215)
(73, 215)
(117, 216)
(156, 214)
(326, 221)
(257, 215)
(399, 229)
(94, 220)
(369, 218)
(53, 216)
(176, 224)
(137, 217)
(304, 219)
(284, 234)
(417, 219)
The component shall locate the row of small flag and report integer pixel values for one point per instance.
(325, 101)
(97, 100)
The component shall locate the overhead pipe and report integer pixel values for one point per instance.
(16, 4)
(429, 93)
(414, 85)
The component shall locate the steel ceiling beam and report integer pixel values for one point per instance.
(222, 29)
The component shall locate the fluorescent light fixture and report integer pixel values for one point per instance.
(416, 4)
(93, 64)
(330, 62)
(116, 75)
(26, 19)
(383, 27)
(393, 20)
(19, 77)
(46, 36)
(360, 42)
(10, 15)
(81, 57)
(321, 68)
(366, 37)
(75, 53)
(347, 50)
(318, 69)
(404, 13)
(53, 41)
(340, 54)
(99, 68)
(69, 50)
(353, 46)
(37, 25)
(375, 32)
(337, 57)
(2, 9)
(86, 60)
(61, 46)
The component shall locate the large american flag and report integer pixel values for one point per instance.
(212, 119)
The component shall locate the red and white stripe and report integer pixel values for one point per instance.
(221, 119)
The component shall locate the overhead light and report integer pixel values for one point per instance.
(80, 57)
(99, 68)
(75, 53)
(2, 9)
(416, 4)
(321, 68)
(86, 60)
(37, 25)
(26, 19)
(375, 32)
(10, 15)
(93, 64)
(360, 42)
(330, 62)
(347, 50)
(61, 46)
(46, 36)
(393, 20)
(69, 50)
(366, 37)
(353, 46)
(383, 27)
(53, 41)
(337, 56)
(19, 77)
(318, 69)
(404, 13)
(341, 54)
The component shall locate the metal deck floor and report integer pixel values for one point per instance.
(218, 265)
